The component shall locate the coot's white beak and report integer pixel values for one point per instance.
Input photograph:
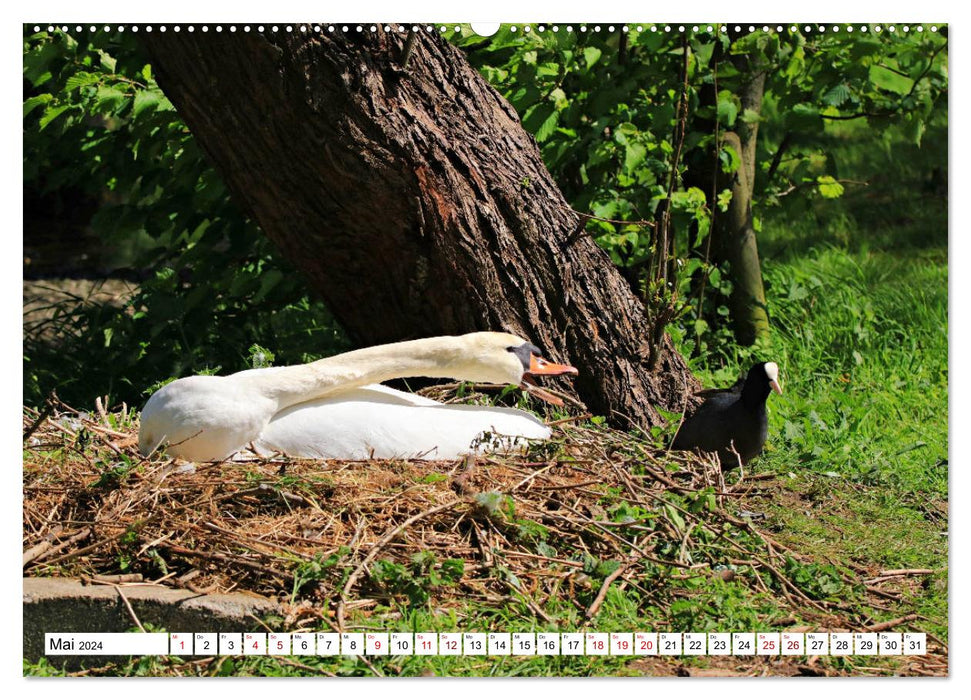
(772, 372)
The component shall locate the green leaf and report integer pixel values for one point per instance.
(914, 128)
(865, 47)
(79, 80)
(797, 63)
(727, 108)
(144, 100)
(634, 155)
(837, 95)
(692, 198)
(605, 210)
(33, 103)
(51, 114)
(724, 199)
(108, 99)
(750, 116)
(591, 55)
(268, 280)
(37, 62)
(674, 516)
(107, 61)
(792, 431)
(886, 79)
(548, 126)
(829, 187)
(730, 160)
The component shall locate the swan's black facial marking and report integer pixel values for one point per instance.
(524, 352)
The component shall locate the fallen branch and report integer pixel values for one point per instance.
(602, 593)
(890, 624)
(907, 572)
(131, 611)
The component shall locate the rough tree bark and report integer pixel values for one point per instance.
(413, 200)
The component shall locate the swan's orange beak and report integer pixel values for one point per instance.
(537, 365)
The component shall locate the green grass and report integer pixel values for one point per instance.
(861, 340)
(619, 613)
(863, 344)
(859, 440)
(857, 295)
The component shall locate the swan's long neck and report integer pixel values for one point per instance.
(430, 357)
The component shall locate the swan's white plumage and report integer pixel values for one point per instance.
(382, 423)
(332, 409)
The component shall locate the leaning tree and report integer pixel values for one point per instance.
(405, 188)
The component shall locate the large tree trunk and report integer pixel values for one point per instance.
(413, 200)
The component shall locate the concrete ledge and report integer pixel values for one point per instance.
(67, 605)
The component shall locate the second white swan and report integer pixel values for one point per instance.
(335, 408)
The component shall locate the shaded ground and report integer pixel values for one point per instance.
(50, 305)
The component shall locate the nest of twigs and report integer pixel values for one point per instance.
(568, 520)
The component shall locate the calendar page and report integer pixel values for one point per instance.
(523, 349)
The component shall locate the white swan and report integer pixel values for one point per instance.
(334, 409)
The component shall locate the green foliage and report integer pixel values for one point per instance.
(260, 357)
(818, 581)
(718, 606)
(319, 568)
(856, 281)
(42, 668)
(98, 129)
(602, 107)
(419, 578)
(829, 187)
(603, 119)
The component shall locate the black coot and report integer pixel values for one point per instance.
(732, 417)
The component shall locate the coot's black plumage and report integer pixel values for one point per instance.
(732, 417)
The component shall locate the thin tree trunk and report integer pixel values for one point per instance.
(749, 313)
(413, 200)
(737, 245)
(750, 100)
(733, 238)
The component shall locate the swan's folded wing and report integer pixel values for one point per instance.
(375, 393)
(376, 422)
